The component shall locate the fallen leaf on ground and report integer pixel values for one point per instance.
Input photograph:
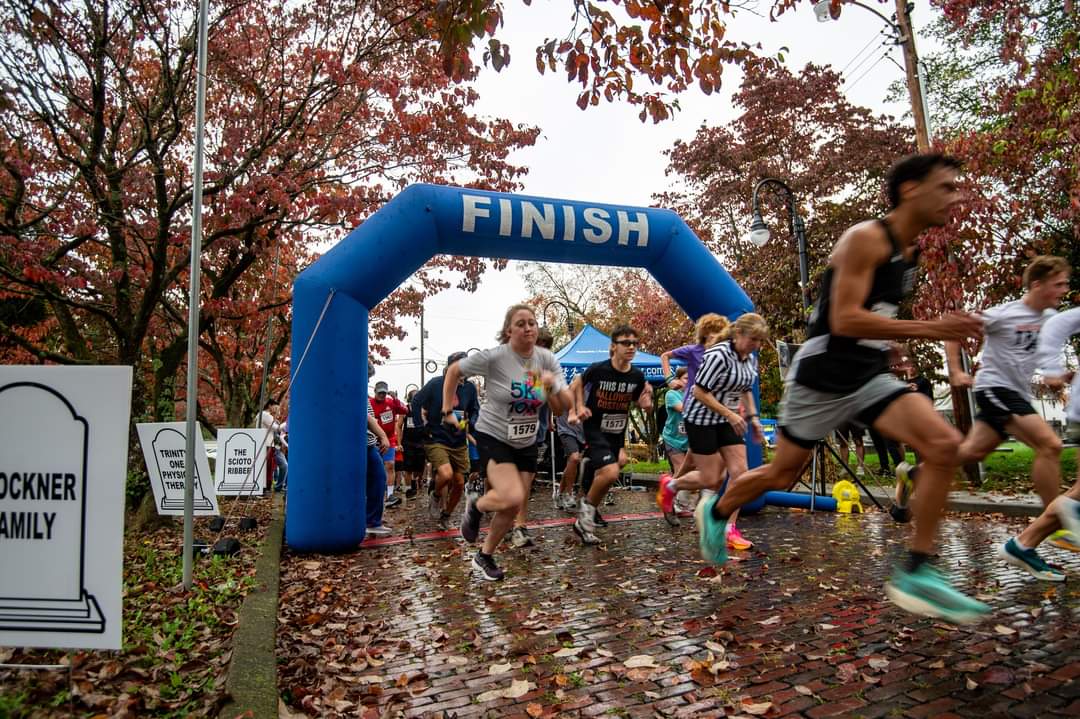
(500, 668)
(805, 691)
(517, 688)
(534, 710)
(770, 621)
(748, 706)
(640, 660)
(1002, 629)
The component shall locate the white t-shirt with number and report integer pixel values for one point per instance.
(1012, 336)
(514, 391)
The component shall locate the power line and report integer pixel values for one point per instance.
(865, 72)
(856, 56)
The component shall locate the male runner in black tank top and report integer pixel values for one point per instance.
(842, 373)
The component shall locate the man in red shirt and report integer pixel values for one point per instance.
(387, 409)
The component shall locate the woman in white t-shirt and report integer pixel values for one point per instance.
(519, 378)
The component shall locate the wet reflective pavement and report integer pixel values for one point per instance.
(797, 626)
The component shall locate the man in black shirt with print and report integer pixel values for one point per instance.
(602, 400)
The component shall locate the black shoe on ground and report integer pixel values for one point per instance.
(485, 564)
(411, 492)
(900, 514)
(392, 501)
(598, 520)
(470, 521)
(444, 521)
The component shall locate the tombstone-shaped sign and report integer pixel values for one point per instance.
(63, 442)
(164, 446)
(241, 461)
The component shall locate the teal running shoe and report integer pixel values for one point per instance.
(926, 591)
(712, 532)
(1030, 561)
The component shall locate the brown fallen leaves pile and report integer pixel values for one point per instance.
(176, 644)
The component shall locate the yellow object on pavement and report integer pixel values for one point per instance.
(847, 497)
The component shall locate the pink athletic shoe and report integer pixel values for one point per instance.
(665, 495)
(736, 541)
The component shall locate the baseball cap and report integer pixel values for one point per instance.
(380, 387)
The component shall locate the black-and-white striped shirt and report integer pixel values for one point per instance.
(724, 376)
(372, 440)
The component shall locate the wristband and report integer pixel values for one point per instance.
(753, 416)
(447, 413)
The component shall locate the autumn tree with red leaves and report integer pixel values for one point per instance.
(1009, 101)
(316, 115)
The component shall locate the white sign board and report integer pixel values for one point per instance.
(164, 446)
(63, 465)
(240, 467)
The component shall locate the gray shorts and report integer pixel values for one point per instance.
(808, 415)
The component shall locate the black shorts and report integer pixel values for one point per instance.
(602, 449)
(489, 448)
(708, 439)
(413, 458)
(997, 405)
(570, 445)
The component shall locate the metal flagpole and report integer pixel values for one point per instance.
(193, 301)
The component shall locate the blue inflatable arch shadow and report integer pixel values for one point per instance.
(327, 412)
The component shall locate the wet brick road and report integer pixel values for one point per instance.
(640, 627)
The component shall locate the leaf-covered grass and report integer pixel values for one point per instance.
(1007, 470)
(176, 644)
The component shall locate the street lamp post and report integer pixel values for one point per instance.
(904, 36)
(759, 232)
(569, 321)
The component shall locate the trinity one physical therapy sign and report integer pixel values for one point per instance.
(63, 461)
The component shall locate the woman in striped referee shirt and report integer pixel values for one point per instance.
(714, 427)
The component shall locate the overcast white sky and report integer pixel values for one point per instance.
(606, 154)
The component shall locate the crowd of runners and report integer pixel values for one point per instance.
(842, 379)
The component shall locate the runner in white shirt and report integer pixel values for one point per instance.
(1003, 395)
(1061, 519)
(520, 378)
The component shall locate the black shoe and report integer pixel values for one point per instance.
(470, 521)
(444, 521)
(392, 502)
(485, 563)
(900, 514)
(411, 492)
(598, 520)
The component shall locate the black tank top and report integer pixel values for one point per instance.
(833, 363)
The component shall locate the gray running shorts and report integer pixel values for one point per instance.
(807, 415)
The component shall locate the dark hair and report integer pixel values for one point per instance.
(680, 372)
(623, 331)
(544, 338)
(915, 167)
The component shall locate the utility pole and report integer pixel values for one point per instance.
(422, 333)
(911, 69)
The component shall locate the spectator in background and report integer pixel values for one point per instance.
(277, 443)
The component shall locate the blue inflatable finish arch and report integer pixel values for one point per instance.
(327, 407)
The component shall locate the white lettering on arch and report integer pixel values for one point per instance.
(599, 230)
(473, 206)
(640, 225)
(531, 216)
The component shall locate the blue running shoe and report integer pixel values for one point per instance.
(712, 532)
(925, 591)
(1030, 561)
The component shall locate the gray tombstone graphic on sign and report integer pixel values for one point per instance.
(242, 465)
(43, 460)
(168, 443)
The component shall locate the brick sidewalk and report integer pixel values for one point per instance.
(640, 628)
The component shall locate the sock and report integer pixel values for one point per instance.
(916, 560)
(717, 514)
(1020, 544)
(480, 553)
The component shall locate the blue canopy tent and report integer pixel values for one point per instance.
(591, 345)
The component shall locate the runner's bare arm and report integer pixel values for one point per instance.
(665, 363)
(645, 398)
(957, 376)
(857, 256)
(450, 383)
